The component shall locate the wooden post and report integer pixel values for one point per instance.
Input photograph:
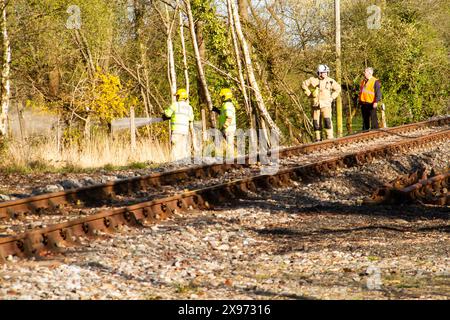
(383, 116)
(87, 128)
(58, 134)
(20, 118)
(338, 67)
(132, 130)
(291, 136)
(253, 142)
(204, 137)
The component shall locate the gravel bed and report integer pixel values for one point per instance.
(313, 240)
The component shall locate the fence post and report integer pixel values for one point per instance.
(132, 130)
(203, 125)
(383, 116)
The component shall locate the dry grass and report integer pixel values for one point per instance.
(42, 153)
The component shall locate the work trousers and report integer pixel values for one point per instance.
(226, 148)
(229, 137)
(318, 115)
(369, 115)
(180, 147)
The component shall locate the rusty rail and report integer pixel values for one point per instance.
(59, 236)
(414, 188)
(40, 203)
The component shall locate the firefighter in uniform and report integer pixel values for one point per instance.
(181, 116)
(322, 90)
(369, 97)
(227, 120)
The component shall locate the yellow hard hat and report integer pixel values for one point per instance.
(182, 94)
(226, 94)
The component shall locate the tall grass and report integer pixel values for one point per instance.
(44, 153)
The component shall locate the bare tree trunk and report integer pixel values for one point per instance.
(139, 10)
(107, 55)
(54, 82)
(243, 10)
(85, 51)
(251, 72)
(296, 100)
(6, 70)
(239, 62)
(337, 4)
(170, 56)
(279, 21)
(146, 102)
(171, 72)
(183, 45)
(144, 85)
(202, 52)
(84, 48)
(200, 70)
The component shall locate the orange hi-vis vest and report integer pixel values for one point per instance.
(367, 90)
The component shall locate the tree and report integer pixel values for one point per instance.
(6, 69)
(250, 72)
(199, 63)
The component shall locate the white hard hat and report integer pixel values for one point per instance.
(323, 68)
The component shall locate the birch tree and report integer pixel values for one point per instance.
(251, 73)
(171, 71)
(6, 70)
(139, 9)
(200, 70)
(183, 46)
(239, 63)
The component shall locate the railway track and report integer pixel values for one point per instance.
(50, 213)
(60, 235)
(124, 192)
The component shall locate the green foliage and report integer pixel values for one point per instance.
(72, 135)
(408, 56)
(218, 43)
(138, 165)
(110, 167)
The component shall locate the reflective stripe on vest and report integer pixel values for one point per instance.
(179, 121)
(227, 110)
(367, 91)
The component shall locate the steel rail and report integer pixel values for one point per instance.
(413, 189)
